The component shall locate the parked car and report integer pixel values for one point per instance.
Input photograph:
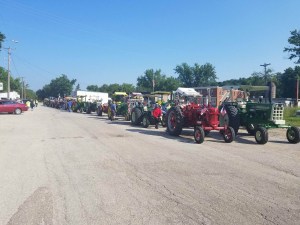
(10, 106)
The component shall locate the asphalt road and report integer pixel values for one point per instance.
(66, 168)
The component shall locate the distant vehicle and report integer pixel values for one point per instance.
(25, 100)
(10, 106)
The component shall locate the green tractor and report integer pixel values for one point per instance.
(141, 112)
(79, 105)
(258, 117)
(121, 104)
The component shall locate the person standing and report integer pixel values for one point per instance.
(28, 104)
(156, 114)
(70, 105)
(31, 104)
(113, 110)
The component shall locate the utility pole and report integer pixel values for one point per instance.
(8, 73)
(265, 65)
(153, 82)
(22, 89)
(8, 70)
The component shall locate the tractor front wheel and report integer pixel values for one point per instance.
(145, 121)
(293, 135)
(199, 135)
(261, 135)
(229, 135)
(250, 128)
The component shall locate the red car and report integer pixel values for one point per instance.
(10, 106)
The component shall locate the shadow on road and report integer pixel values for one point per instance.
(162, 133)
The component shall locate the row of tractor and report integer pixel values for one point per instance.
(185, 108)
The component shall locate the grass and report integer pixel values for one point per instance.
(289, 116)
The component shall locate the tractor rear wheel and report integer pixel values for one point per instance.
(199, 135)
(293, 135)
(89, 110)
(261, 135)
(145, 121)
(174, 121)
(99, 111)
(233, 119)
(229, 135)
(136, 116)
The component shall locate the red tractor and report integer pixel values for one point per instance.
(188, 112)
(209, 119)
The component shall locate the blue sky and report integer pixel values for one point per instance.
(109, 41)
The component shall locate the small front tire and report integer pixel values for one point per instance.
(261, 135)
(145, 122)
(293, 135)
(199, 135)
(229, 135)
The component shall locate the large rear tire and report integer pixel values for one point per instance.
(232, 117)
(136, 116)
(261, 135)
(199, 135)
(293, 135)
(174, 121)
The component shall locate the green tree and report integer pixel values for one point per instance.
(2, 38)
(15, 83)
(104, 88)
(185, 75)
(150, 80)
(127, 87)
(194, 76)
(111, 88)
(294, 50)
(170, 84)
(60, 86)
(205, 75)
(287, 82)
(30, 94)
(92, 88)
(77, 88)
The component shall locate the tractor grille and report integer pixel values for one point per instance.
(277, 114)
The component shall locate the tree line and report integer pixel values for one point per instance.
(187, 76)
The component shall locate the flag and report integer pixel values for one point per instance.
(223, 111)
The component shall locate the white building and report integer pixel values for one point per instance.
(12, 95)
